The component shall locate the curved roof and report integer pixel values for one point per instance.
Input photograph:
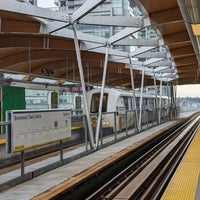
(38, 42)
(173, 19)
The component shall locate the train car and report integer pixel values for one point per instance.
(120, 103)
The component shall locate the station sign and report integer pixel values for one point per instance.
(79, 89)
(32, 128)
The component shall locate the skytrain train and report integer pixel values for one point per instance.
(118, 108)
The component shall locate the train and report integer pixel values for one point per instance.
(118, 110)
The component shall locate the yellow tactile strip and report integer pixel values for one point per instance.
(183, 185)
(2, 141)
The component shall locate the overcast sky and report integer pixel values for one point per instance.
(188, 91)
(182, 91)
(46, 3)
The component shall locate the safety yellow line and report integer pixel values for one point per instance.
(2, 141)
(183, 185)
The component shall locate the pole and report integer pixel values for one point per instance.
(29, 57)
(83, 87)
(172, 100)
(101, 95)
(141, 100)
(61, 151)
(156, 97)
(134, 97)
(160, 102)
(175, 98)
(22, 163)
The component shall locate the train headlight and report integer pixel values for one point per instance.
(105, 123)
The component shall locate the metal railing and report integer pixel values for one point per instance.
(115, 126)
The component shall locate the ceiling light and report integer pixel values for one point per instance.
(196, 29)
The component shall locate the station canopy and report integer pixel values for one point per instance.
(41, 43)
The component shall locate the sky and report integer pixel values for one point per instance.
(182, 91)
(188, 90)
(46, 3)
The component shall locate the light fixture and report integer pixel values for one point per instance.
(196, 29)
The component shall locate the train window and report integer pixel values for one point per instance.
(144, 102)
(95, 103)
(126, 102)
(131, 102)
(151, 102)
(137, 102)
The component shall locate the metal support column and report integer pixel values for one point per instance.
(61, 151)
(175, 98)
(101, 95)
(83, 87)
(172, 100)
(134, 97)
(168, 101)
(156, 97)
(29, 58)
(141, 101)
(22, 163)
(160, 101)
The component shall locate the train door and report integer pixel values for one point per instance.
(122, 104)
(12, 98)
(94, 107)
(78, 104)
(54, 99)
(130, 113)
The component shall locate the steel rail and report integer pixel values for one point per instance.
(155, 180)
(117, 183)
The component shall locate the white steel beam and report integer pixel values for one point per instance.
(89, 46)
(158, 74)
(141, 101)
(122, 21)
(51, 27)
(86, 46)
(134, 96)
(165, 75)
(162, 68)
(119, 59)
(87, 7)
(166, 70)
(141, 50)
(152, 60)
(30, 10)
(137, 42)
(156, 96)
(152, 55)
(139, 67)
(99, 119)
(161, 63)
(138, 53)
(81, 36)
(160, 101)
(80, 66)
(122, 34)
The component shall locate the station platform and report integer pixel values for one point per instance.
(43, 186)
(185, 184)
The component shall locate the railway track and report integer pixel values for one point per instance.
(8, 167)
(77, 139)
(146, 177)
